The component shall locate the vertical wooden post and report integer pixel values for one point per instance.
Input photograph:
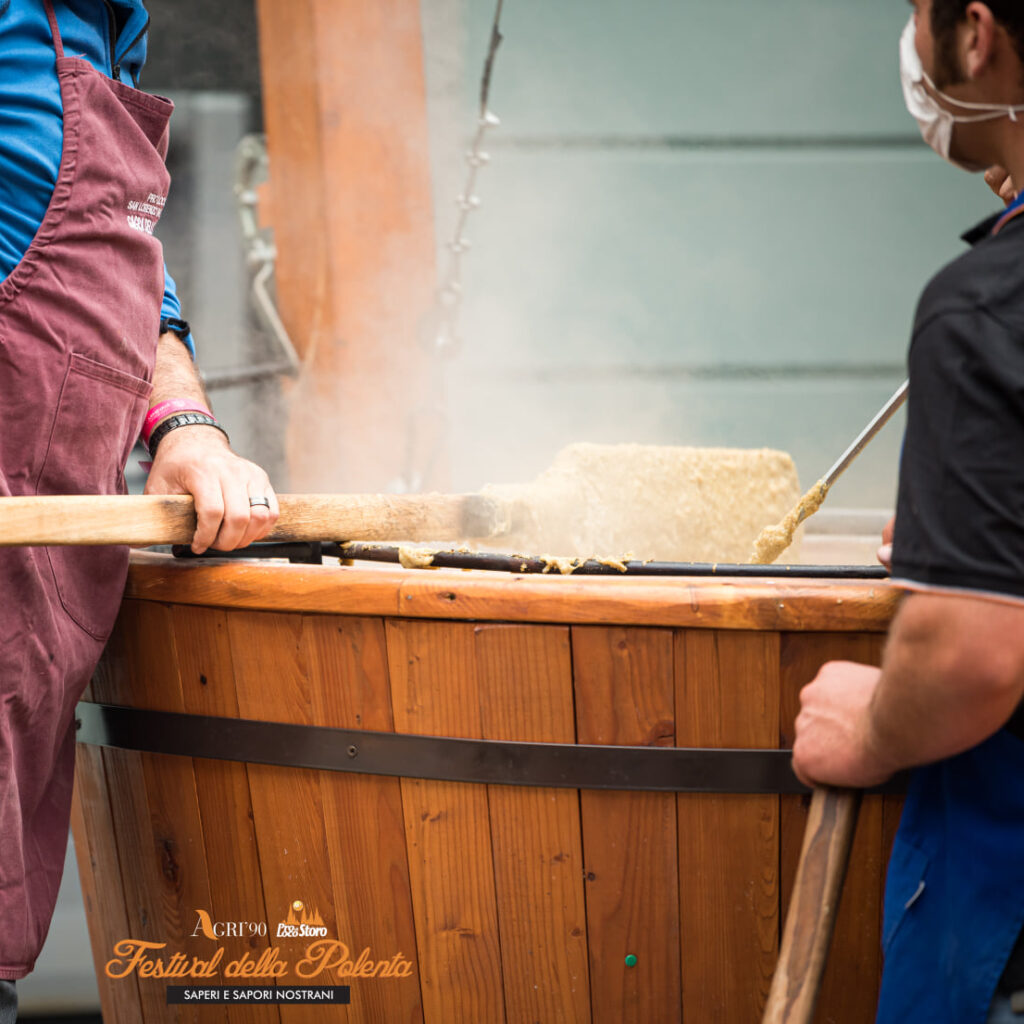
(345, 111)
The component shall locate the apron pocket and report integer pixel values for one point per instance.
(98, 418)
(905, 884)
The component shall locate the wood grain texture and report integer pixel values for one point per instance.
(813, 906)
(849, 990)
(261, 586)
(775, 604)
(470, 935)
(207, 678)
(625, 695)
(448, 830)
(274, 681)
(526, 693)
(727, 695)
(170, 518)
(141, 878)
(155, 808)
(99, 869)
(345, 113)
(363, 817)
(699, 603)
(99, 864)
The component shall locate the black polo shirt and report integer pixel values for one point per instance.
(960, 508)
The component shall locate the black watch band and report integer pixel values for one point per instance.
(175, 325)
(182, 419)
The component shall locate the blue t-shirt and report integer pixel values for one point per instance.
(112, 37)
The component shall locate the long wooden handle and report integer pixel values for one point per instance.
(171, 519)
(811, 917)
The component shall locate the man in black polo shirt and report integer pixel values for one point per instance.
(946, 699)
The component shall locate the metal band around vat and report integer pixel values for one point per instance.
(569, 765)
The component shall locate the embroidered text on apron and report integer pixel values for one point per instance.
(79, 319)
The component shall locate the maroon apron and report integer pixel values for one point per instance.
(79, 320)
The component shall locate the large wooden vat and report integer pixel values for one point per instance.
(508, 903)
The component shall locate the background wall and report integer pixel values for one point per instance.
(702, 224)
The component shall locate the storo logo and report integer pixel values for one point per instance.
(301, 923)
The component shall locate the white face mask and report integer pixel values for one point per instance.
(935, 122)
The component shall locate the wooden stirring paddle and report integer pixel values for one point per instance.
(813, 905)
(171, 519)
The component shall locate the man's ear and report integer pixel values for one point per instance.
(977, 40)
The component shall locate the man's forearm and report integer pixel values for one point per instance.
(175, 374)
(175, 377)
(953, 674)
(234, 500)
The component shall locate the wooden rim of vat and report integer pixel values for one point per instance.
(712, 603)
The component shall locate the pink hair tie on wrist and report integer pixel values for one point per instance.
(162, 410)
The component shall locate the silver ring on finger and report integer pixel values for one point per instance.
(261, 501)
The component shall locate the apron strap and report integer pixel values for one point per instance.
(58, 44)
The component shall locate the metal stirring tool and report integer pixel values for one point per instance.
(773, 540)
(881, 418)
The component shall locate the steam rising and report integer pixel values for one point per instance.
(650, 502)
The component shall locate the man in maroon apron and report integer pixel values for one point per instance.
(80, 364)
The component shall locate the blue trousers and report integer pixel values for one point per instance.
(954, 895)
